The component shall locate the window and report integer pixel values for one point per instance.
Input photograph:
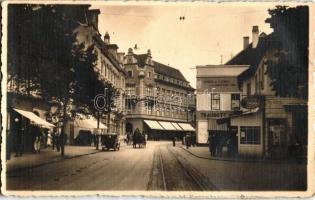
(215, 102)
(149, 91)
(129, 73)
(131, 91)
(235, 101)
(250, 134)
(248, 89)
(149, 74)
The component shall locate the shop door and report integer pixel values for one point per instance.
(234, 139)
(277, 137)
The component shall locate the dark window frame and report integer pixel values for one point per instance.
(237, 97)
(215, 99)
(252, 135)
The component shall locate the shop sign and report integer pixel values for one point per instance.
(250, 102)
(206, 115)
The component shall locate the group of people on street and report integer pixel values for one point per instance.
(47, 138)
(216, 142)
(41, 138)
(189, 140)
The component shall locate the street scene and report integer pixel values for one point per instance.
(159, 166)
(156, 97)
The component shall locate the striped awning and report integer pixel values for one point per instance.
(153, 125)
(90, 123)
(177, 126)
(34, 118)
(186, 127)
(167, 126)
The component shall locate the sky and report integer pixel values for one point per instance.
(208, 34)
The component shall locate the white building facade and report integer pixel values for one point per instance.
(218, 96)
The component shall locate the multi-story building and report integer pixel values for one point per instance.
(158, 97)
(269, 124)
(110, 66)
(218, 96)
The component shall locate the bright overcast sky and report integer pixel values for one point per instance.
(208, 31)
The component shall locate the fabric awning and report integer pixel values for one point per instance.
(177, 126)
(167, 126)
(90, 123)
(34, 118)
(186, 127)
(153, 125)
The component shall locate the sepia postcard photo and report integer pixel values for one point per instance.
(161, 99)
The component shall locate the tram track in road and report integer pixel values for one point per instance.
(162, 171)
(201, 181)
(171, 172)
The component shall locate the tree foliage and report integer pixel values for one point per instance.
(289, 70)
(46, 58)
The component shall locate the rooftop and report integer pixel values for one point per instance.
(220, 70)
(252, 56)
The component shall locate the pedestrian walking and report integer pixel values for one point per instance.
(209, 142)
(37, 142)
(220, 141)
(174, 140)
(49, 139)
(213, 144)
(188, 141)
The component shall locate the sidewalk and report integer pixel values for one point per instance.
(203, 152)
(30, 160)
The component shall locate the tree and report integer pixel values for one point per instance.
(45, 57)
(289, 69)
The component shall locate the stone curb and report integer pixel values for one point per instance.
(59, 159)
(240, 160)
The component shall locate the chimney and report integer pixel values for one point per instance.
(255, 36)
(245, 42)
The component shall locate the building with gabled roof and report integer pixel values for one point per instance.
(159, 100)
(268, 125)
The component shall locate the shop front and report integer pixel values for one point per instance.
(167, 130)
(249, 133)
(207, 124)
(82, 131)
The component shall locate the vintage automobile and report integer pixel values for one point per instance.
(110, 141)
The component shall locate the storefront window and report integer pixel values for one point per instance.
(215, 102)
(250, 135)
